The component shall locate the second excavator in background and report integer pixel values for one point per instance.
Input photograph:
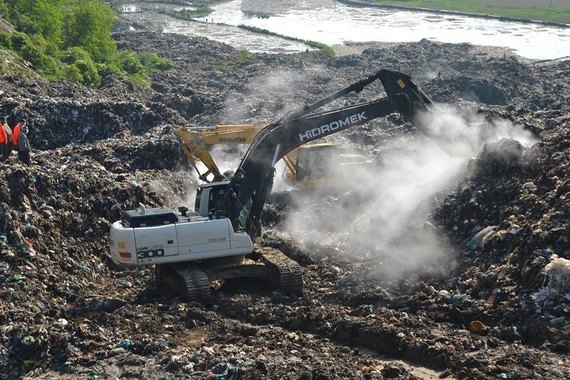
(309, 167)
(192, 249)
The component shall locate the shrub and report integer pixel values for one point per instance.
(50, 67)
(74, 54)
(90, 26)
(32, 54)
(19, 40)
(72, 74)
(109, 68)
(154, 63)
(5, 39)
(4, 12)
(130, 63)
(88, 72)
(246, 58)
(141, 80)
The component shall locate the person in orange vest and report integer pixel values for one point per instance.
(3, 139)
(7, 141)
(16, 132)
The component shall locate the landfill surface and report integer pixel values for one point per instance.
(491, 301)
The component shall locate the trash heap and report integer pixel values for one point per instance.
(498, 309)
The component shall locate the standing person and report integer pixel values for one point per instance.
(16, 132)
(3, 139)
(24, 145)
(233, 191)
(7, 144)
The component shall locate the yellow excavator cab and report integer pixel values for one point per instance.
(323, 165)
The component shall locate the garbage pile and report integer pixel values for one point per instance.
(498, 308)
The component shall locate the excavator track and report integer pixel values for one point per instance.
(284, 273)
(193, 281)
(185, 279)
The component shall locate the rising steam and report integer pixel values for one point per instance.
(384, 213)
(387, 213)
(268, 101)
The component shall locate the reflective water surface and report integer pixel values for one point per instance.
(333, 23)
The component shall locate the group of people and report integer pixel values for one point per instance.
(14, 139)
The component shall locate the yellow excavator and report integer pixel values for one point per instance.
(307, 167)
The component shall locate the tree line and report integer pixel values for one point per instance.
(71, 40)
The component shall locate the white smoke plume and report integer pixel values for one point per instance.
(173, 195)
(228, 157)
(386, 214)
(269, 102)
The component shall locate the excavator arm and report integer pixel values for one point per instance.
(196, 150)
(195, 142)
(300, 127)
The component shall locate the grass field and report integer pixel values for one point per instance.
(557, 11)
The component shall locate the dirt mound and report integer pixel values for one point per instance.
(489, 310)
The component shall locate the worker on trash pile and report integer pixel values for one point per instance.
(3, 141)
(6, 139)
(24, 145)
(233, 191)
(16, 132)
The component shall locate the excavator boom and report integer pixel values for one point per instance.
(301, 126)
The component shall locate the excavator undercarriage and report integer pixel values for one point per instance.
(192, 279)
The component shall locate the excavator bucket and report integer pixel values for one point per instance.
(397, 84)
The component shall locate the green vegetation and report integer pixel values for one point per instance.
(246, 58)
(542, 11)
(189, 14)
(70, 40)
(321, 48)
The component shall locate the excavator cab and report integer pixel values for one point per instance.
(323, 166)
(316, 163)
(211, 199)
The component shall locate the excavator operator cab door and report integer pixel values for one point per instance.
(211, 198)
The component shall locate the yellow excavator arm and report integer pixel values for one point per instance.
(196, 150)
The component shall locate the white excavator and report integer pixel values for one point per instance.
(192, 249)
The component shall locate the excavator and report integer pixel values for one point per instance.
(190, 250)
(305, 167)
